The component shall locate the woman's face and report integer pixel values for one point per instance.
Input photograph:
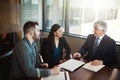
(58, 33)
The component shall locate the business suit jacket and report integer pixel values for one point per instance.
(48, 53)
(106, 50)
(25, 61)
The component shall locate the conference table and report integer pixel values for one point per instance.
(84, 74)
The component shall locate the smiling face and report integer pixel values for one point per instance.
(100, 27)
(97, 32)
(58, 33)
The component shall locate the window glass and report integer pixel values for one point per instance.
(78, 16)
(31, 10)
(75, 18)
(54, 13)
(83, 14)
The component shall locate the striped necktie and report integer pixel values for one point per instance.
(95, 45)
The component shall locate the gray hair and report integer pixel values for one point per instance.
(101, 25)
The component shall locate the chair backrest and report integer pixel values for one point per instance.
(7, 43)
(42, 44)
(118, 55)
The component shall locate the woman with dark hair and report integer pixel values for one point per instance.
(53, 48)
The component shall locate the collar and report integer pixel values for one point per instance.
(26, 39)
(101, 36)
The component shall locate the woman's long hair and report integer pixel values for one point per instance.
(51, 36)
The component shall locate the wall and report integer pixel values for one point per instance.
(75, 43)
(9, 16)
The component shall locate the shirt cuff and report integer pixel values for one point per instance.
(49, 73)
(38, 72)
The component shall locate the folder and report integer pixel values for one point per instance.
(60, 76)
(93, 68)
(71, 64)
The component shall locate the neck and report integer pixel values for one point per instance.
(56, 41)
(56, 38)
(101, 35)
(29, 37)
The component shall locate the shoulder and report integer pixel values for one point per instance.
(109, 39)
(90, 36)
(19, 48)
(21, 45)
(62, 39)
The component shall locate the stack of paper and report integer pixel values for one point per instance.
(60, 76)
(71, 64)
(93, 68)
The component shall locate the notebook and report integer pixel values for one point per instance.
(93, 68)
(60, 76)
(71, 64)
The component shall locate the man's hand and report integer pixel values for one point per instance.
(97, 62)
(55, 70)
(76, 55)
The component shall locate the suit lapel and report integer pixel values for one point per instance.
(101, 44)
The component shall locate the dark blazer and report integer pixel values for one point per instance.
(106, 50)
(118, 58)
(25, 61)
(47, 53)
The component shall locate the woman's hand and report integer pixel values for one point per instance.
(61, 61)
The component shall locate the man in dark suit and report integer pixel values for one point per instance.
(25, 59)
(104, 52)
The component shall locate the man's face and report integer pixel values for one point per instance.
(97, 32)
(37, 33)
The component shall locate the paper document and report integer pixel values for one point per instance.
(71, 64)
(93, 68)
(60, 76)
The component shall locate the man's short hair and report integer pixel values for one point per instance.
(29, 25)
(101, 25)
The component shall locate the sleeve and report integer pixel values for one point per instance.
(83, 49)
(112, 53)
(25, 61)
(118, 57)
(68, 49)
